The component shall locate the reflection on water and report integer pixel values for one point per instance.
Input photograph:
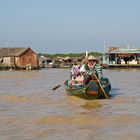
(91, 104)
(30, 110)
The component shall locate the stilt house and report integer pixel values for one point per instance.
(122, 56)
(18, 58)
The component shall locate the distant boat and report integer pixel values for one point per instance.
(91, 91)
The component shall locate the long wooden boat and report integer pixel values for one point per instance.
(91, 91)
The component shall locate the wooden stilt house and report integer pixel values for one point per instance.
(18, 58)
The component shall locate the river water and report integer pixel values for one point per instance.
(31, 110)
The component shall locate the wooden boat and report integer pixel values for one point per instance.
(91, 91)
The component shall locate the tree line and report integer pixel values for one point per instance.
(96, 54)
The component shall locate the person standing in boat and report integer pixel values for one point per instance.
(89, 68)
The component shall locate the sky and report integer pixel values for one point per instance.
(69, 26)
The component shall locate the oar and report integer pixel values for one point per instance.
(56, 87)
(105, 94)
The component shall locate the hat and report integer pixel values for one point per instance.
(91, 58)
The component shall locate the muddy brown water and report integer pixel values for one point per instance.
(30, 110)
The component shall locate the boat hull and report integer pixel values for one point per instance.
(91, 91)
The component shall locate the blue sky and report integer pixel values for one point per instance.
(69, 26)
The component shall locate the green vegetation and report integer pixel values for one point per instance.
(71, 54)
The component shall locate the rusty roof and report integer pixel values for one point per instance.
(8, 52)
(125, 49)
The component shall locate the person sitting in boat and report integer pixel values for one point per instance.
(76, 75)
(75, 71)
(89, 68)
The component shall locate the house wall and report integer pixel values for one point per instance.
(105, 59)
(6, 61)
(27, 60)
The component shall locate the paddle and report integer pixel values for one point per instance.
(56, 87)
(105, 94)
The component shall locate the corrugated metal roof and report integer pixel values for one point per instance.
(125, 49)
(8, 52)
